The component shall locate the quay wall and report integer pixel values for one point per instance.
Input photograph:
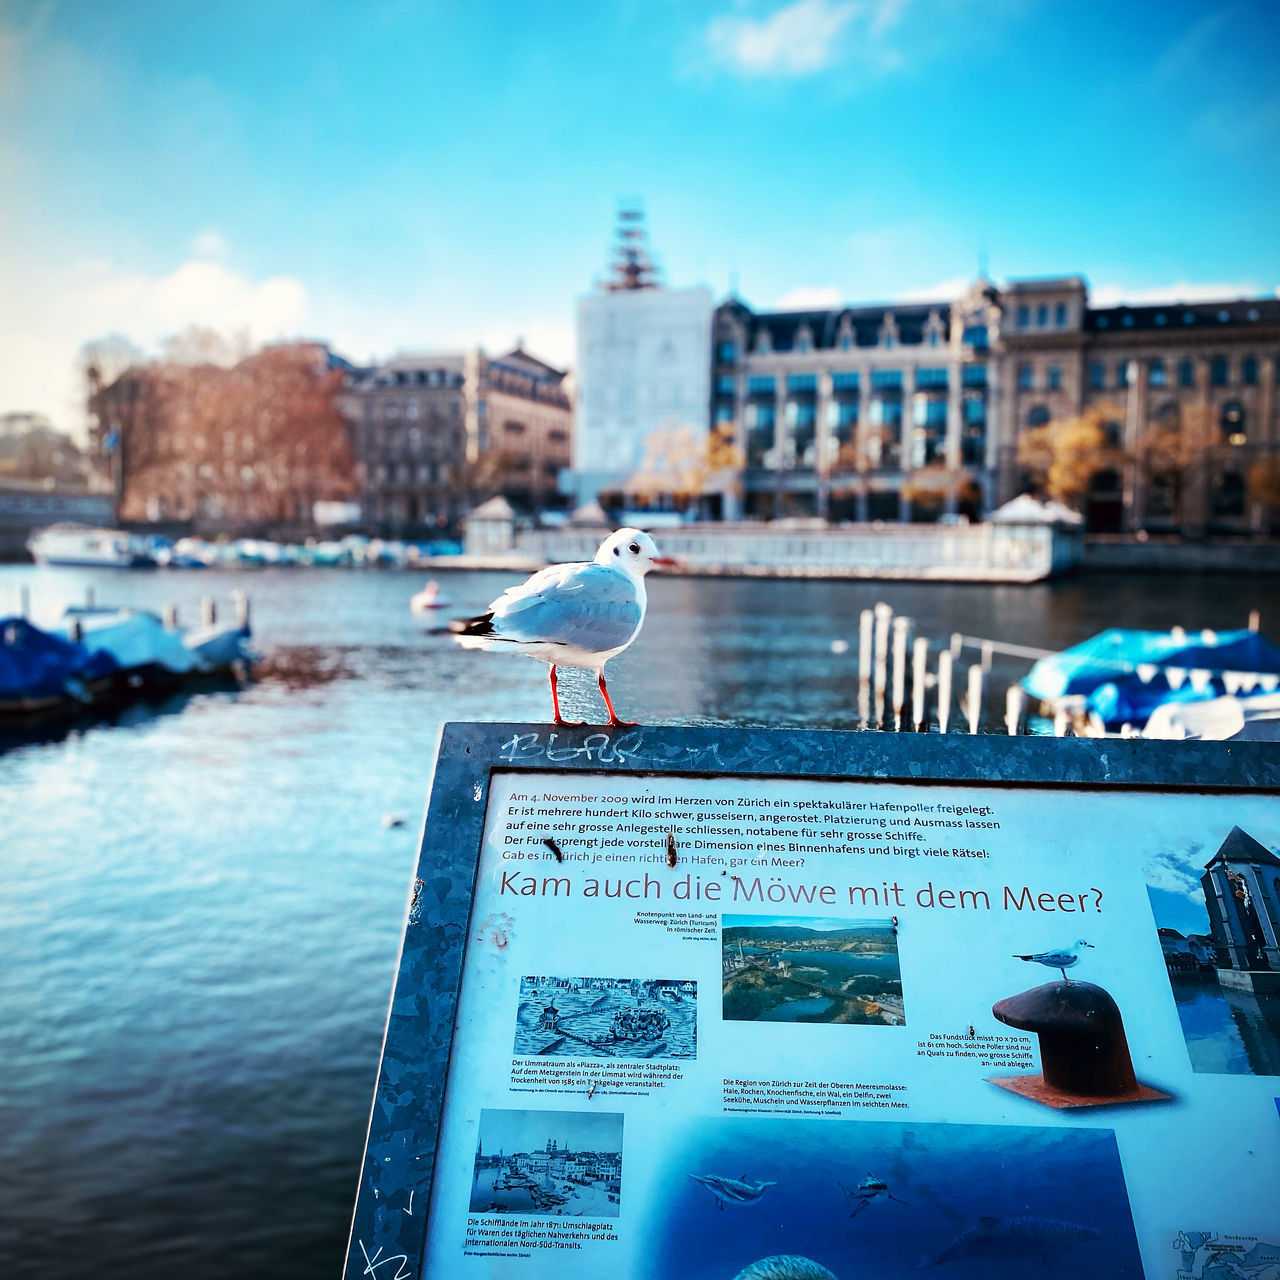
(1110, 554)
(943, 553)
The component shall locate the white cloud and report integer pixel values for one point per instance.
(1176, 872)
(943, 291)
(809, 298)
(46, 315)
(1113, 295)
(209, 244)
(796, 40)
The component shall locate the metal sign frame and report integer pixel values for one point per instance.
(391, 1220)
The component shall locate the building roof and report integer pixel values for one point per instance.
(519, 358)
(1239, 846)
(1046, 284)
(865, 323)
(1173, 316)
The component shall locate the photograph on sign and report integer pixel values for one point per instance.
(797, 969)
(1218, 912)
(1017, 1017)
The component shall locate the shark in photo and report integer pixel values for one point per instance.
(869, 1189)
(1024, 1237)
(738, 1190)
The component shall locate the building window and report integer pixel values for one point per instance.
(931, 377)
(1060, 314)
(1249, 371)
(760, 435)
(1114, 432)
(801, 434)
(1122, 374)
(760, 385)
(1042, 315)
(976, 336)
(1186, 373)
(804, 342)
(726, 352)
(1026, 377)
(514, 428)
(846, 342)
(844, 381)
(1156, 375)
(724, 413)
(726, 384)
(933, 337)
(973, 440)
(973, 375)
(1055, 377)
(1232, 422)
(886, 379)
(1024, 316)
(557, 435)
(1097, 375)
(1037, 415)
(802, 383)
(1218, 371)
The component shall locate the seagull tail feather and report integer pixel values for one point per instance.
(473, 633)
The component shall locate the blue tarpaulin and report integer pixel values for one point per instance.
(1105, 670)
(36, 666)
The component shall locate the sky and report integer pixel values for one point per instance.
(388, 175)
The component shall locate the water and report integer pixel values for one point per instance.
(200, 907)
(1227, 1030)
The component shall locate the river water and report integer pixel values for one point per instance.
(201, 905)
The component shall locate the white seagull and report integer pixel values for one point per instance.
(1062, 960)
(572, 615)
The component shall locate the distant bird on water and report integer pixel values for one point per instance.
(1061, 959)
(572, 615)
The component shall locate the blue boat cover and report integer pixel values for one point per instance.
(1104, 670)
(36, 665)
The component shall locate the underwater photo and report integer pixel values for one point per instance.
(840, 1200)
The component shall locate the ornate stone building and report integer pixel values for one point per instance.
(1189, 392)
(915, 410)
(435, 434)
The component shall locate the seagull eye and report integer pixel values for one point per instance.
(634, 548)
(617, 551)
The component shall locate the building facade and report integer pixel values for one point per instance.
(1188, 392)
(642, 372)
(914, 411)
(436, 434)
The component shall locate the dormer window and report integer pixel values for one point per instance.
(804, 339)
(763, 343)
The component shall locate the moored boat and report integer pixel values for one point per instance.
(86, 547)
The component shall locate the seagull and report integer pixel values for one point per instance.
(572, 615)
(1061, 959)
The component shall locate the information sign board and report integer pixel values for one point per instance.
(718, 1003)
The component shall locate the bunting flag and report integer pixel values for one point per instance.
(1200, 679)
(1175, 676)
(1147, 671)
(1269, 683)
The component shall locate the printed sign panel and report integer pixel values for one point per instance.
(778, 1028)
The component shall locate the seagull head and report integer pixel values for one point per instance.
(1080, 942)
(632, 550)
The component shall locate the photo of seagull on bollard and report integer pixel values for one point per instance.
(1084, 1053)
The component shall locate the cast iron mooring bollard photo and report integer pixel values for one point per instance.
(1084, 1054)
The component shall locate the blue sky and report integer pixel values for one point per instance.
(389, 175)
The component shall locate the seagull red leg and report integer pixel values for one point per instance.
(555, 703)
(613, 715)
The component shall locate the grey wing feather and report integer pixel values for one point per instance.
(591, 606)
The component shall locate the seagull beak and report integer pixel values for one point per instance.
(665, 561)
